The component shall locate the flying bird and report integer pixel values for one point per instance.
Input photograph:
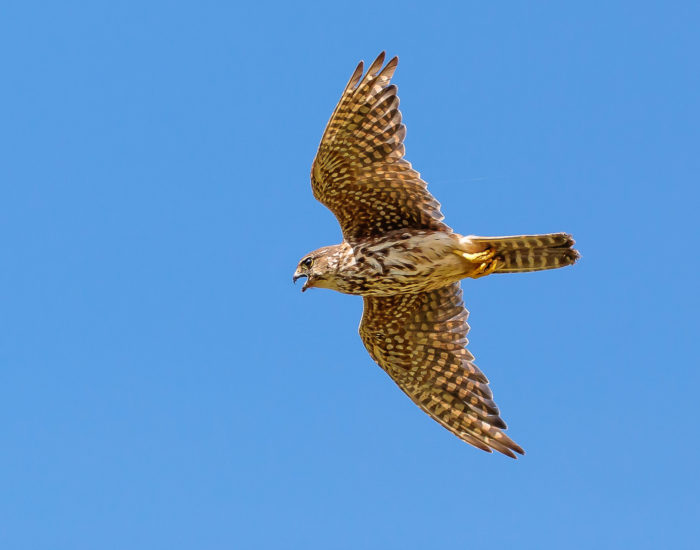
(406, 263)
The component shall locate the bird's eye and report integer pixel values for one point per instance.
(306, 262)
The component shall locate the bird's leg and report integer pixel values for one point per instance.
(484, 269)
(476, 257)
(483, 262)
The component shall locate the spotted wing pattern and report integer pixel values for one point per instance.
(419, 340)
(359, 172)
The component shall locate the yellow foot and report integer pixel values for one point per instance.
(484, 263)
(484, 269)
(476, 257)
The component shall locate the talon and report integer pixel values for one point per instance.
(477, 257)
(484, 269)
(486, 264)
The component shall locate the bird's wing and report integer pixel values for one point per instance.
(359, 171)
(419, 340)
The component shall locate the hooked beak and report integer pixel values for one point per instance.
(298, 276)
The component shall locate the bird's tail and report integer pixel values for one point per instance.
(523, 253)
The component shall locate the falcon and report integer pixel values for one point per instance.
(407, 264)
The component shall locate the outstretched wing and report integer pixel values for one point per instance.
(419, 340)
(359, 172)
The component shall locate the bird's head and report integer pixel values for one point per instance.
(320, 268)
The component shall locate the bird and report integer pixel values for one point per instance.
(407, 264)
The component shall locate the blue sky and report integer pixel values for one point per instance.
(163, 384)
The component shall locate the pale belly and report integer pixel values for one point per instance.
(403, 262)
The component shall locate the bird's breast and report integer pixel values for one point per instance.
(402, 262)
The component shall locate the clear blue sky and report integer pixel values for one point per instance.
(164, 385)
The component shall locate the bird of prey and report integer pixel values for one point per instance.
(406, 263)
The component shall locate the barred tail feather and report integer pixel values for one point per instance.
(524, 253)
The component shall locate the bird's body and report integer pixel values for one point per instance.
(406, 263)
(400, 261)
(411, 261)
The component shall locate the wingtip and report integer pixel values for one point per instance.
(376, 65)
(508, 451)
(518, 449)
(356, 75)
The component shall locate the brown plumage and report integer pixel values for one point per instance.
(399, 255)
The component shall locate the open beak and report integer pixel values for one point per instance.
(298, 276)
